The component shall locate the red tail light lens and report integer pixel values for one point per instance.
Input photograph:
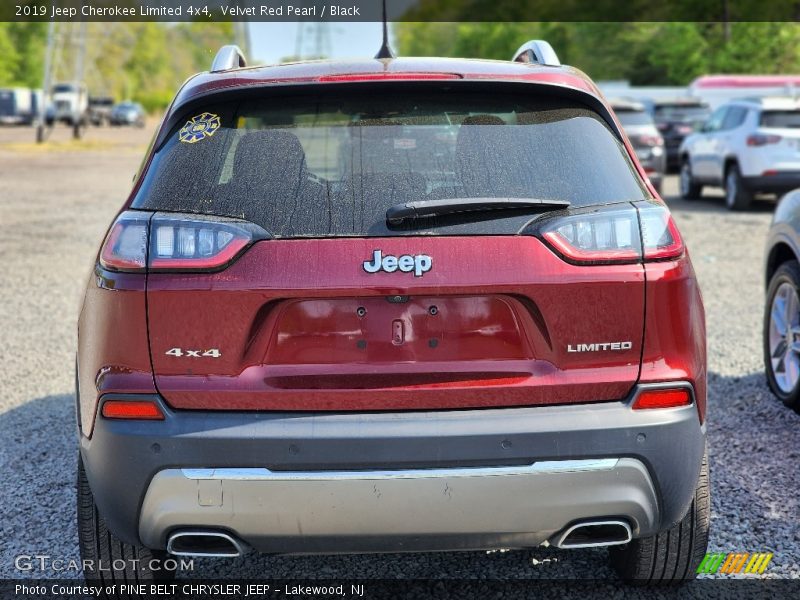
(172, 242)
(660, 237)
(614, 235)
(178, 243)
(650, 140)
(125, 246)
(409, 76)
(132, 409)
(666, 398)
(599, 237)
(761, 139)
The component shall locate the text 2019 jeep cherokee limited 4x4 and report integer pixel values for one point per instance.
(392, 305)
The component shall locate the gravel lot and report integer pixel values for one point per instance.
(54, 207)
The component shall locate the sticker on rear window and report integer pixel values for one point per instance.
(199, 128)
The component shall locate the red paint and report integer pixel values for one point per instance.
(284, 315)
(113, 352)
(675, 328)
(285, 318)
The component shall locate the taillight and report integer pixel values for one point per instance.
(407, 76)
(662, 398)
(125, 246)
(180, 243)
(660, 237)
(173, 242)
(601, 236)
(762, 139)
(132, 409)
(650, 140)
(617, 234)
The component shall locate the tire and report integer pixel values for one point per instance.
(785, 281)
(737, 197)
(671, 556)
(107, 552)
(689, 189)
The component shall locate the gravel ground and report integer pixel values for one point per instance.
(54, 207)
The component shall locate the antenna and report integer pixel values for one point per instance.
(385, 51)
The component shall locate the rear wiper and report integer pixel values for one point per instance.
(432, 208)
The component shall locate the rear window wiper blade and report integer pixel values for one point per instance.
(432, 208)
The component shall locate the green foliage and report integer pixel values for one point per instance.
(144, 62)
(663, 53)
(10, 60)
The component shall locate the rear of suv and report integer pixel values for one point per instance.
(387, 306)
(746, 146)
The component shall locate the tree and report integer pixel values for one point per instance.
(653, 53)
(9, 63)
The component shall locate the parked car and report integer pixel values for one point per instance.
(69, 104)
(781, 335)
(746, 146)
(16, 106)
(645, 138)
(675, 119)
(127, 113)
(100, 108)
(311, 330)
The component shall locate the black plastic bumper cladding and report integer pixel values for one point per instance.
(122, 456)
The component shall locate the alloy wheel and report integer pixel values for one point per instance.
(784, 337)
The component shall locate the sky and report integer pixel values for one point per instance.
(270, 42)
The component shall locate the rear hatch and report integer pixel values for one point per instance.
(277, 282)
(778, 136)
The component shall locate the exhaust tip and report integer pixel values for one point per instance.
(204, 543)
(591, 534)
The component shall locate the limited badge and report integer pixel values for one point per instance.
(199, 128)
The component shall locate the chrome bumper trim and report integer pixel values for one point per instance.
(259, 474)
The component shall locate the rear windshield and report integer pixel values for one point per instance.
(332, 165)
(633, 117)
(780, 118)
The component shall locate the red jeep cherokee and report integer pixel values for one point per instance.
(392, 305)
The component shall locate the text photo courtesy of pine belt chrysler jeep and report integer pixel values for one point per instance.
(351, 306)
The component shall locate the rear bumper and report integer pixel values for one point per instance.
(778, 183)
(306, 483)
(417, 509)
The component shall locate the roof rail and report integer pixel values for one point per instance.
(537, 51)
(228, 57)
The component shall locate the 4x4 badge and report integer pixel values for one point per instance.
(419, 263)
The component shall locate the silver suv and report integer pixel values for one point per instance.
(746, 146)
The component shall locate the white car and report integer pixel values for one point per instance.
(746, 146)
